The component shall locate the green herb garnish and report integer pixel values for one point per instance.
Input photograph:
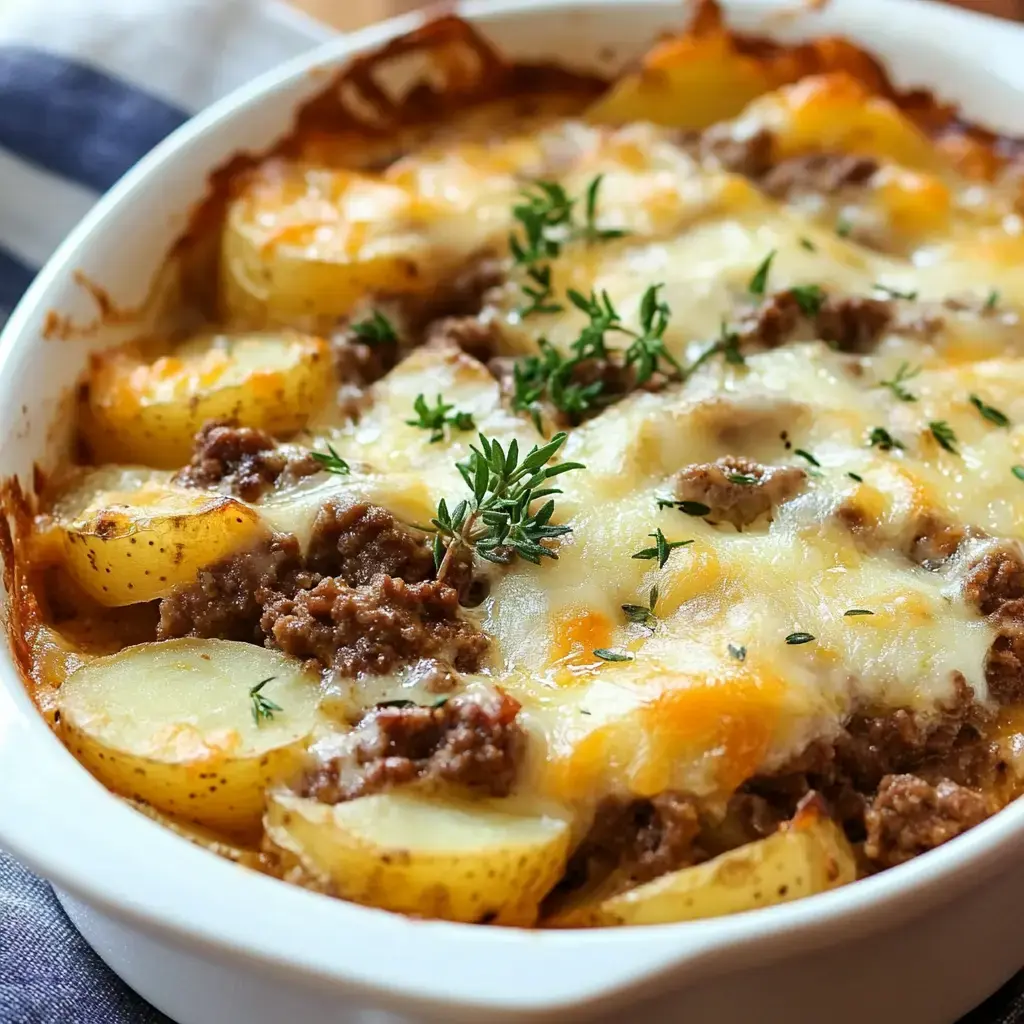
(856, 476)
(992, 414)
(943, 433)
(807, 455)
(607, 655)
(894, 293)
(691, 508)
(992, 300)
(799, 638)
(844, 227)
(497, 521)
(759, 282)
(881, 438)
(809, 297)
(437, 417)
(807, 244)
(262, 707)
(902, 375)
(1018, 472)
(662, 548)
(376, 329)
(857, 611)
(640, 615)
(738, 652)
(590, 232)
(744, 479)
(331, 462)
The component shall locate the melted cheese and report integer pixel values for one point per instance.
(714, 693)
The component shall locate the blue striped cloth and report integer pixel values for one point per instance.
(87, 87)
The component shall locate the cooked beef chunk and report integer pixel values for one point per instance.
(242, 460)
(637, 839)
(935, 541)
(469, 333)
(849, 769)
(994, 584)
(853, 324)
(468, 290)
(750, 156)
(226, 601)
(466, 741)
(737, 490)
(823, 173)
(375, 627)
(909, 816)
(360, 541)
(995, 579)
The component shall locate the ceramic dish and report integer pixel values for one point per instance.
(207, 942)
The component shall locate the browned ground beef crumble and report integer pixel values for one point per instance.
(909, 816)
(994, 584)
(822, 173)
(363, 599)
(375, 627)
(738, 490)
(241, 460)
(475, 742)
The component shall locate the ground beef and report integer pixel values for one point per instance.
(637, 840)
(848, 770)
(821, 173)
(227, 599)
(375, 627)
(934, 541)
(909, 816)
(469, 288)
(852, 324)
(360, 541)
(994, 584)
(469, 333)
(995, 579)
(466, 741)
(241, 460)
(737, 490)
(750, 156)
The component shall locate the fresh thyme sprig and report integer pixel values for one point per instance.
(896, 385)
(545, 223)
(944, 435)
(881, 438)
(759, 282)
(435, 418)
(263, 708)
(662, 548)
(894, 293)
(641, 615)
(498, 521)
(809, 297)
(331, 462)
(990, 412)
(376, 329)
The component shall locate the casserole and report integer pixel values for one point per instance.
(704, 938)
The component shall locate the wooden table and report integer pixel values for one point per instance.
(346, 14)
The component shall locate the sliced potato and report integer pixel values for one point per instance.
(807, 856)
(172, 724)
(305, 242)
(405, 852)
(127, 547)
(148, 412)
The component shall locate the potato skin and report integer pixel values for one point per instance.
(391, 851)
(149, 411)
(808, 855)
(136, 547)
(170, 724)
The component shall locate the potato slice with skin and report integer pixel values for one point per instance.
(311, 242)
(149, 412)
(171, 724)
(414, 854)
(130, 547)
(808, 855)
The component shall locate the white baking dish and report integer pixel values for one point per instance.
(210, 943)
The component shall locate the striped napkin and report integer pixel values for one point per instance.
(87, 87)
